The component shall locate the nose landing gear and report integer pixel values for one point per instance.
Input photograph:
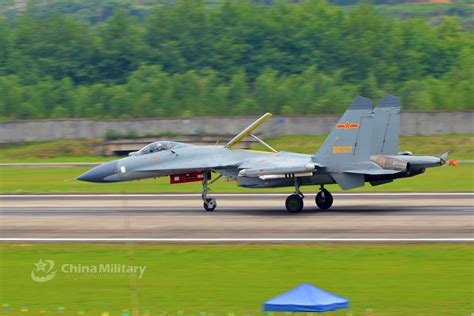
(324, 199)
(209, 204)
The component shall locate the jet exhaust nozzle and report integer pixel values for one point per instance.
(390, 163)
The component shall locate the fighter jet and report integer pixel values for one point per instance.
(362, 147)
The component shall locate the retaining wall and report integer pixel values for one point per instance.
(412, 123)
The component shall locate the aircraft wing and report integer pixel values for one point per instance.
(355, 176)
(368, 168)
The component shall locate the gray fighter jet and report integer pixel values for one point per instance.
(362, 147)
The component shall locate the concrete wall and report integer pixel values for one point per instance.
(412, 123)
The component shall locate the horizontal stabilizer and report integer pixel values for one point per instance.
(380, 182)
(372, 172)
(348, 181)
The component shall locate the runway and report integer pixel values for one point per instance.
(237, 217)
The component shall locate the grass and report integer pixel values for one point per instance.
(462, 147)
(47, 180)
(429, 279)
(63, 150)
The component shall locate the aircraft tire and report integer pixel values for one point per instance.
(210, 204)
(324, 199)
(294, 203)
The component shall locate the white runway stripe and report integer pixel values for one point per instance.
(381, 194)
(256, 240)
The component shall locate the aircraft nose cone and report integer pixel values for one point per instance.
(99, 173)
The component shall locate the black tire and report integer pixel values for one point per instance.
(324, 199)
(210, 204)
(294, 203)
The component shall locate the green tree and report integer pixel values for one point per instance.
(187, 58)
(4, 45)
(121, 47)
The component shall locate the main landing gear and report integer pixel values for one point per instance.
(324, 198)
(294, 203)
(209, 204)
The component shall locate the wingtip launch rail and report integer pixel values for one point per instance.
(248, 130)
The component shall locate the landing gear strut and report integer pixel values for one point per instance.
(209, 203)
(324, 199)
(294, 202)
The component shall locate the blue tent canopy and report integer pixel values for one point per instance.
(306, 298)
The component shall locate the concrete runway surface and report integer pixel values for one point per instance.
(353, 215)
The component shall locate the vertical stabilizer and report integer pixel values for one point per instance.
(385, 139)
(350, 140)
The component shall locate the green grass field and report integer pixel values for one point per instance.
(430, 279)
(45, 180)
(63, 150)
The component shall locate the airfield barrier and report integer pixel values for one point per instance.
(412, 123)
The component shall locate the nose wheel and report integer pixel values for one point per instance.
(209, 204)
(324, 199)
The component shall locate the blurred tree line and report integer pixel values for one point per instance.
(239, 58)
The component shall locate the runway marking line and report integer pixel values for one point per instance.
(234, 194)
(243, 239)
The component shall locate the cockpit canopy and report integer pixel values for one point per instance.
(157, 147)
